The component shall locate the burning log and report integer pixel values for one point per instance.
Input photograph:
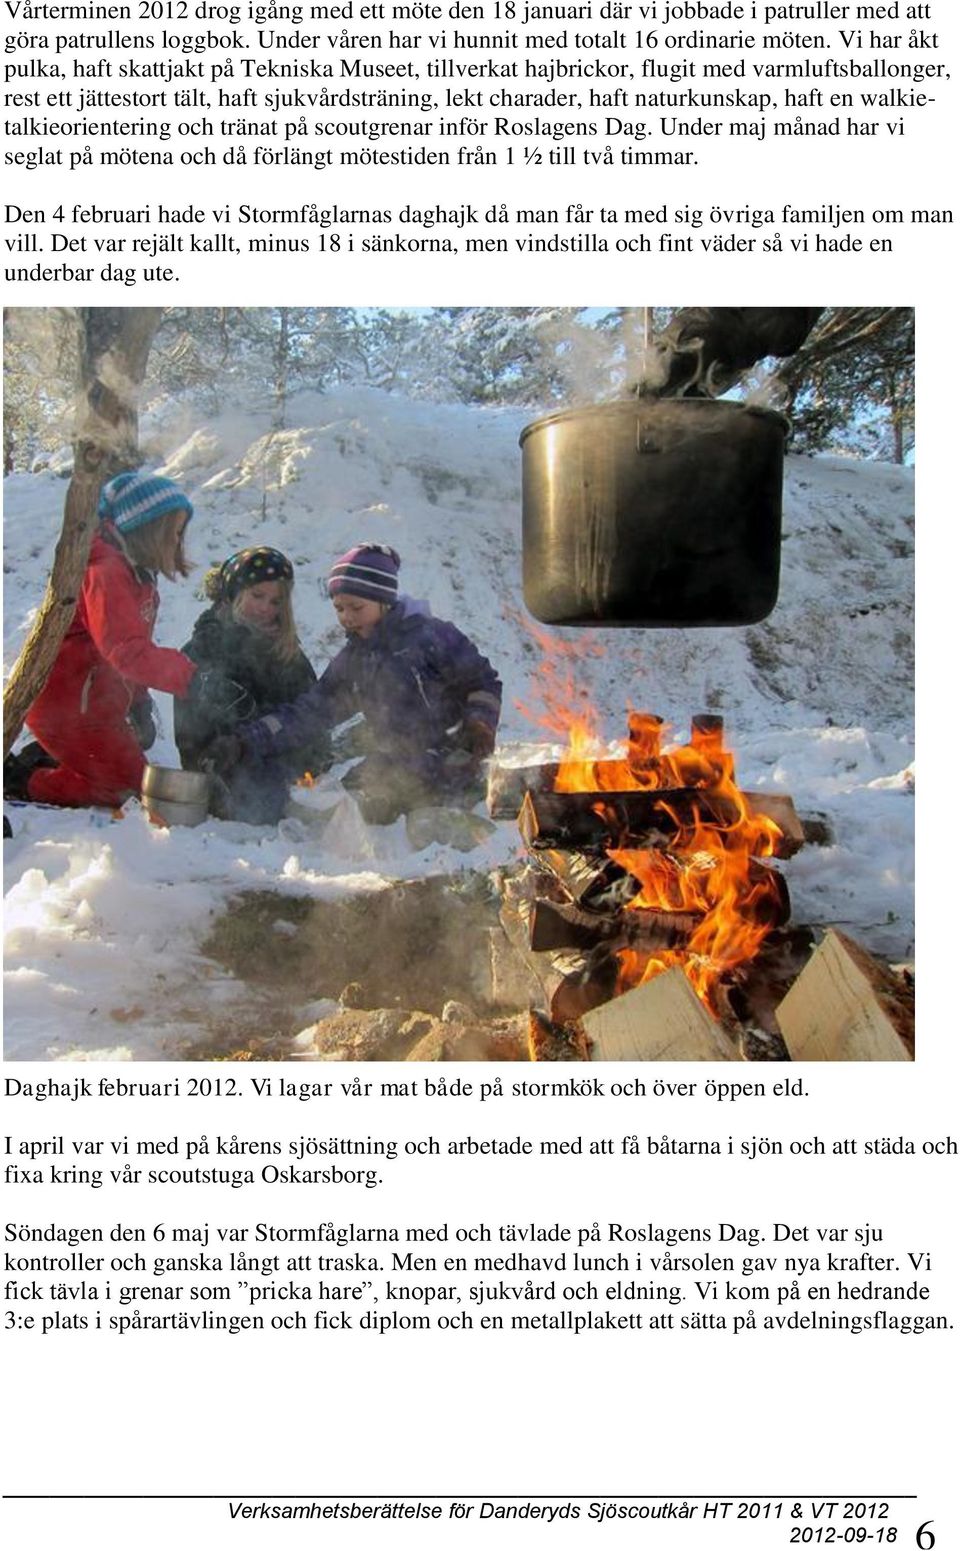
(847, 1006)
(706, 731)
(636, 886)
(586, 821)
(661, 1020)
(648, 864)
(509, 784)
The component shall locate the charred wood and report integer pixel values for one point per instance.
(748, 998)
(555, 1041)
(585, 987)
(817, 830)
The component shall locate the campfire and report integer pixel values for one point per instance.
(650, 867)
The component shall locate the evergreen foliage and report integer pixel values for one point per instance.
(849, 388)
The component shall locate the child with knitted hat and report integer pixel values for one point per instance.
(431, 702)
(249, 637)
(107, 661)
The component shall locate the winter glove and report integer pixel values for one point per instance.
(223, 755)
(142, 717)
(478, 738)
(218, 699)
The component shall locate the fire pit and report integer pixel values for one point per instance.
(656, 866)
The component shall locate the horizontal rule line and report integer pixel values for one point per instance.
(360, 1497)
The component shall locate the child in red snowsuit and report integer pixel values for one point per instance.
(107, 661)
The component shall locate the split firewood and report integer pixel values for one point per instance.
(507, 785)
(781, 810)
(661, 1020)
(847, 1006)
(564, 926)
(550, 970)
(571, 980)
(592, 883)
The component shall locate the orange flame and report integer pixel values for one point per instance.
(645, 765)
(711, 869)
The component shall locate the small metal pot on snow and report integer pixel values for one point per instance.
(175, 796)
(653, 512)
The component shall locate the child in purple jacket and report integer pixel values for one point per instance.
(430, 701)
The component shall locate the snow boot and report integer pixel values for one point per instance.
(19, 767)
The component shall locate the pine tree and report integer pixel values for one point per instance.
(851, 385)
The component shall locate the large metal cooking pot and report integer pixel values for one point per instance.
(653, 512)
(175, 796)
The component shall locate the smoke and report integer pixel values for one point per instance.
(652, 370)
(763, 388)
(597, 359)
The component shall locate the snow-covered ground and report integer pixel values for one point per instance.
(105, 917)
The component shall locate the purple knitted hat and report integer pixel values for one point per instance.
(366, 571)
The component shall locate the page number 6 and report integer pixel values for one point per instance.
(926, 1539)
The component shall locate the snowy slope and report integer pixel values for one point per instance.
(818, 700)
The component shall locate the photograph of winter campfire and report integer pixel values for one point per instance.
(459, 684)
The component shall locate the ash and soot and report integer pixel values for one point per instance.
(400, 972)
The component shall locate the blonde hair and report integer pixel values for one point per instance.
(285, 644)
(158, 546)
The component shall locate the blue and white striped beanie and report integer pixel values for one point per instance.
(132, 500)
(366, 571)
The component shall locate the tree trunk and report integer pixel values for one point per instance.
(114, 346)
(281, 362)
(898, 439)
(897, 417)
